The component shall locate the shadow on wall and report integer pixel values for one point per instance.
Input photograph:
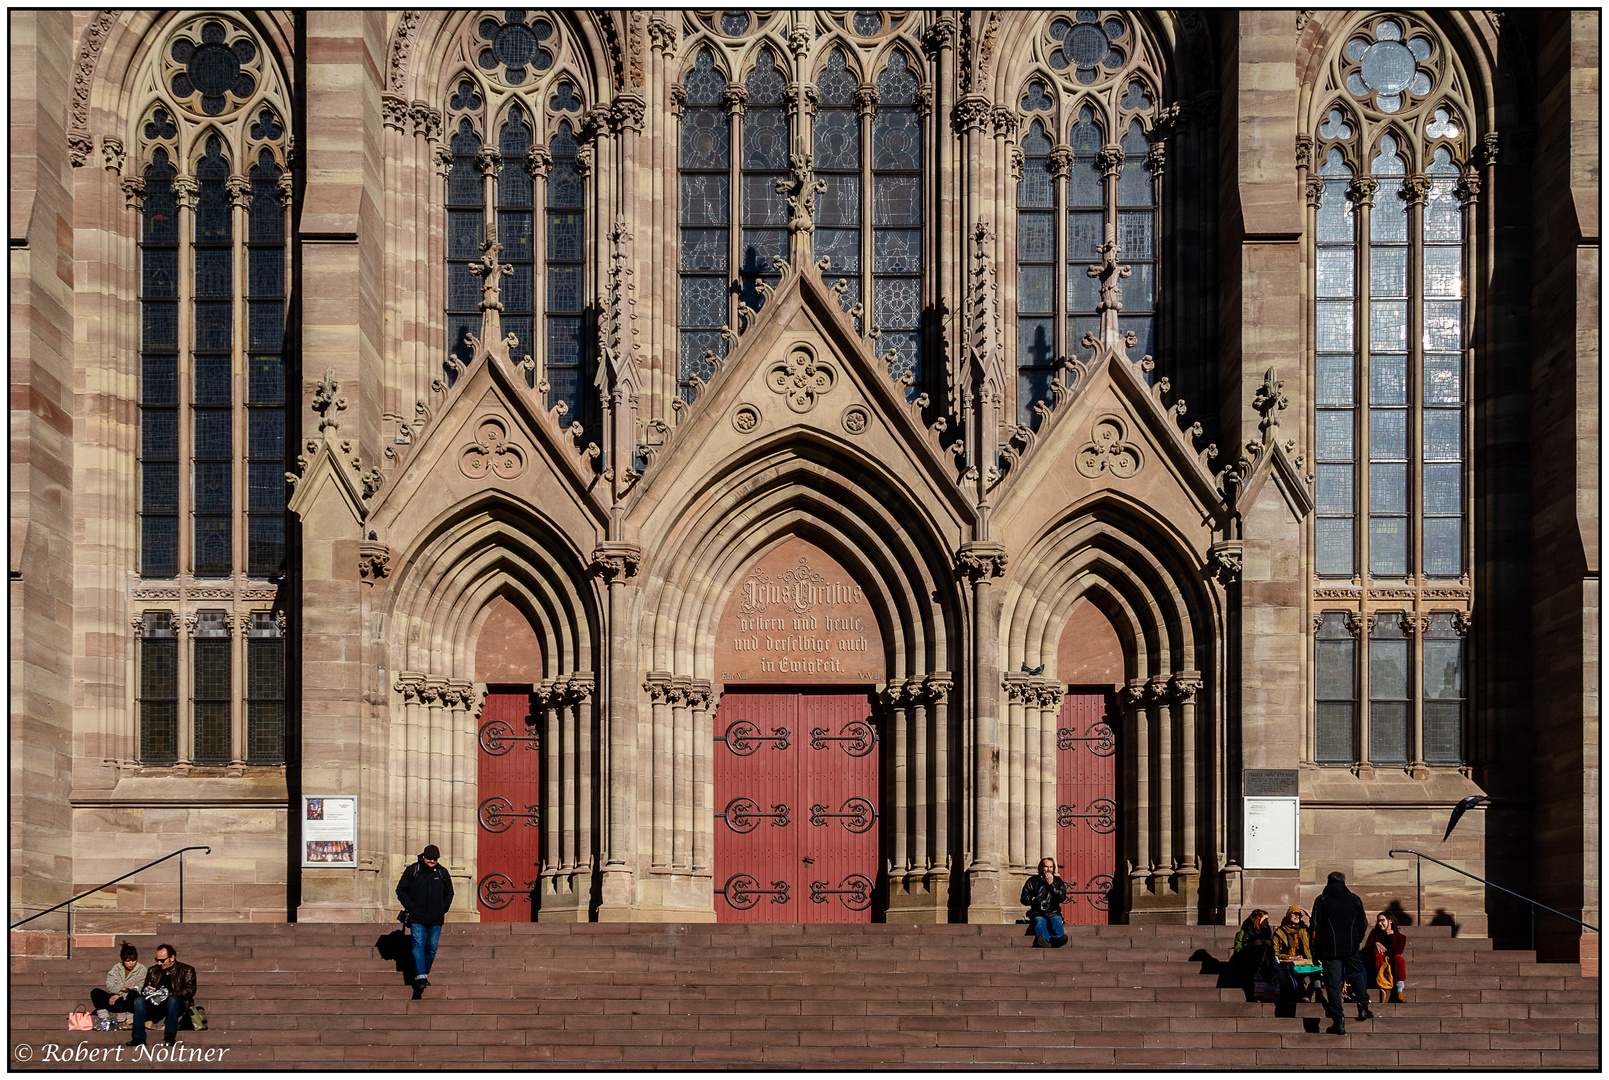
(1443, 917)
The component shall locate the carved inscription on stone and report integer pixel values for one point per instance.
(797, 616)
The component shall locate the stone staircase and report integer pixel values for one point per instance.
(695, 996)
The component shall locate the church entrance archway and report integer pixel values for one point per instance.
(796, 806)
(1087, 802)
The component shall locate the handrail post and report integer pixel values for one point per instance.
(1419, 890)
(181, 888)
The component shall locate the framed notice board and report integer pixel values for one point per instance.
(1272, 833)
(329, 830)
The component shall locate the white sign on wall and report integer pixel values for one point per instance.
(329, 830)
(1272, 833)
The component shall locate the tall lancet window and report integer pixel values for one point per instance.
(466, 228)
(1391, 201)
(514, 229)
(213, 193)
(1088, 174)
(565, 353)
(764, 163)
(706, 234)
(838, 162)
(896, 180)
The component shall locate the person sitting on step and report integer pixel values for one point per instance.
(122, 986)
(1383, 949)
(1043, 895)
(1293, 946)
(1252, 967)
(170, 989)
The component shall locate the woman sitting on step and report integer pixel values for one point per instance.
(122, 986)
(1252, 966)
(1293, 948)
(1383, 949)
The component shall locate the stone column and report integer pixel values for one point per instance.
(939, 685)
(411, 686)
(583, 693)
(981, 561)
(545, 698)
(437, 747)
(678, 764)
(894, 707)
(1050, 702)
(702, 698)
(1137, 764)
(1012, 762)
(658, 688)
(1160, 704)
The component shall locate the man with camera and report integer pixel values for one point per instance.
(425, 892)
(170, 989)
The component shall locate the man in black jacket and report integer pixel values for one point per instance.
(1043, 895)
(426, 892)
(1338, 929)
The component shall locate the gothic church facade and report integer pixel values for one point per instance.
(804, 465)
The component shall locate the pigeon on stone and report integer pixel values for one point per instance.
(1468, 802)
(1040, 670)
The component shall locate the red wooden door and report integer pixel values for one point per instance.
(1086, 811)
(796, 797)
(509, 774)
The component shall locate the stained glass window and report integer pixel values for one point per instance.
(1442, 377)
(212, 359)
(265, 690)
(706, 161)
(1388, 367)
(265, 381)
(1335, 680)
(566, 239)
(1390, 695)
(1335, 399)
(1444, 691)
(897, 250)
(159, 383)
(159, 689)
(838, 162)
(466, 228)
(1136, 240)
(763, 162)
(1036, 272)
(1086, 227)
(211, 695)
(514, 230)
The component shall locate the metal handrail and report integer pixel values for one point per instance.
(1419, 885)
(68, 903)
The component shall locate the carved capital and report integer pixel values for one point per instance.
(662, 36)
(657, 686)
(1156, 159)
(443, 157)
(185, 190)
(924, 101)
(938, 686)
(1359, 624)
(1184, 686)
(1016, 687)
(490, 161)
(394, 112)
(79, 147)
(1415, 622)
(866, 98)
(426, 121)
(185, 625)
(1061, 162)
(678, 100)
(627, 112)
(239, 189)
(112, 155)
(1110, 160)
(615, 561)
(1005, 123)
(1361, 191)
(410, 684)
(1315, 191)
(1463, 622)
(1415, 189)
(939, 37)
(1133, 695)
(1486, 154)
(735, 98)
(982, 559)
(972, 113)
(374, 561)
(1015, 161)
(538, 161)
(584, 158)
(134, 192)
(799, 39)
(1304, 151)
(1224, 562)
(1469, 188)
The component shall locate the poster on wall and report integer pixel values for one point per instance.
(329, 831)
(1273, 833)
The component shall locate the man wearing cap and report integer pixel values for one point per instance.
(425, 892)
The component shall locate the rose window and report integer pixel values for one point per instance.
(1388, 67)
(869, 24)
(1087, 45)
(213, 69)
(514, 46)
(733, 23)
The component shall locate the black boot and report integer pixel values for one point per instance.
(1058, 942)
(1040, 943)
(1337, 1027)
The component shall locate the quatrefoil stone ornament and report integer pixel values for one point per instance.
(1107, 451)
(801, 379)
(491, 454)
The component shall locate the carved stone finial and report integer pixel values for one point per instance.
(490, 269)
(801, 190)
(326, 403)
(1269, 400)
(1110, 273)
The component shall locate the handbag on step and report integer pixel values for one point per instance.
(80, 1019)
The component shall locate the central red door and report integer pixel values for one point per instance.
(508, 827)
(1086, 811)
(796, 808)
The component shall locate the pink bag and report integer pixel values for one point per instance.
(80, 1019)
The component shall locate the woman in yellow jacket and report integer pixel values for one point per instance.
(1293, 944)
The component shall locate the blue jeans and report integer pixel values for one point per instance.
(425, 939)
(170, 1027)
(1352, 968)
(1048, 928)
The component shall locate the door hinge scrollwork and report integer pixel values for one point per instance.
(1103, 818)
(856, 893)
(858, 737)
(497, 814)
(1099, 735)
(857, 813)
(742, 814)
(497, 890)
(742, 735)
(742, 891)
(496, 735)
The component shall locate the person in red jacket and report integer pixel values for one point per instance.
(1385, 945)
